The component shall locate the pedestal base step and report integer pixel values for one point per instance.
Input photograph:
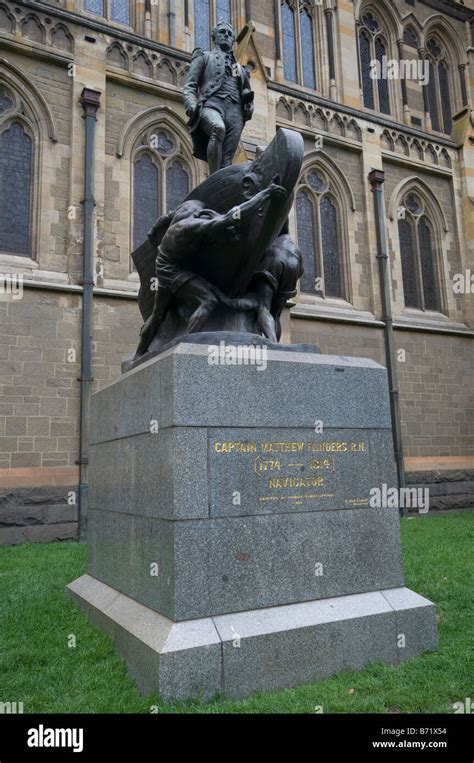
(235, 655)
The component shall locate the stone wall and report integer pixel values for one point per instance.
(435, 380)
(38, 514)
(40, 351)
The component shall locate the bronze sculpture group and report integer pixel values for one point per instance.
(224, 259)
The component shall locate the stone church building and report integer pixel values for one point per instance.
(369, 84)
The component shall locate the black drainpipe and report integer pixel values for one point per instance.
(172, 23)
(376, 180)
(90, 102)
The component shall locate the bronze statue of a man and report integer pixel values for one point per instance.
(218, 99)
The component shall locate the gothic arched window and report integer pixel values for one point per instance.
(146, 199)
(307, 48)
(16, 178)
(223, 10)
(114, 10)
(410, 37)
(161, 180)
(16, 154)
(418, 256)
(120, 11)
(289, 42)
(177, 184)
(318, 223)
(373, 47)
(207, 13)
(297, 26)
(439, 89)
(94, 6)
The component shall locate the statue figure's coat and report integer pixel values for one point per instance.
(204, 79)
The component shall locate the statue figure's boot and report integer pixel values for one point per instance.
(214, 153)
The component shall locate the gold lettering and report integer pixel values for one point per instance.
(282, 447)
(292, 482)
(328, 446)
(235, 447)
(320, 463)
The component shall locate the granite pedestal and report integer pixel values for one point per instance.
(232, 546)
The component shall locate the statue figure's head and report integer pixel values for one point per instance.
(187, 209)
(223, 35)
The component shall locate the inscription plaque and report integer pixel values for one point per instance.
(264, 471)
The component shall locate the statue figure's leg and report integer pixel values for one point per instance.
(213, 125)
(278, 303)
(197, 295)
(234, 124)
(151, 326)
(264, 293)
(276, 282)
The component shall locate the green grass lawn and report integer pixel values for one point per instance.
(38, 668)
